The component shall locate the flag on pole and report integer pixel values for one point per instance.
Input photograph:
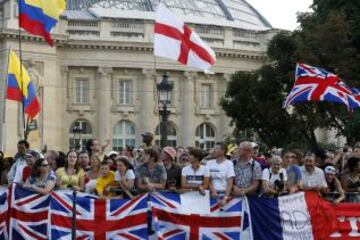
(173, 39)
(316, 84)
(38, 17)
(20, 88)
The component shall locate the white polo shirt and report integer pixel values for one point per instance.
(195, 177)
(315, 179)
(220, 173)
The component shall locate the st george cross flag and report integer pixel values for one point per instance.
(173, 39)
(316, 84)
(296, 216)
(98, 219)
(3, 213)
(219, 223)
(28, 213)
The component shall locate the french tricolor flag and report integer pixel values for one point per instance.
(298, 216)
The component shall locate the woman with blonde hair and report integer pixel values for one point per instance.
(71, 176)
(274, 178)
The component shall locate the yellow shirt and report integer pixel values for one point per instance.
(67, 180)
(102, 183)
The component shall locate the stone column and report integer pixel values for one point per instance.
(188, 109)
(148, 101)
(103, 94)
(223, 124)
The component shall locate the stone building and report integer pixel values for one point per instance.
(99, 79)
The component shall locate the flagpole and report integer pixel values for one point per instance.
(4, 108)
(21, 76)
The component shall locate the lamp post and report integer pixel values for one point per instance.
(77, 130)
(164, 97)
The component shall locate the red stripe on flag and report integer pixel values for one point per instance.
(127, 236)
(14, 94)
(322, 216)
(33, 108)
(186, 43)
(127, 205)
(65, 204)
(31, 234)
(34, 27)
(26, 217)
(37, 196)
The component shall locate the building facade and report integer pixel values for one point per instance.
(99, 79)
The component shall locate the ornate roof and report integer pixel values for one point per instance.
(237, 12)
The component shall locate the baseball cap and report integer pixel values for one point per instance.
(254, 145)
(35, 154)
(147, 134)
(111, 153)
(330, 170)
(170, 151)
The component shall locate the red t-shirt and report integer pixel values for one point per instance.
(26, 173)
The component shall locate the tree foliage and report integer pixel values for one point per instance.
(328, 37)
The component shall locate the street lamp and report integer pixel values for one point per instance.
(164, 97)
(77, 130)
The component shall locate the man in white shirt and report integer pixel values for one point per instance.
(313, 177)
(221, 173)
(15, 173)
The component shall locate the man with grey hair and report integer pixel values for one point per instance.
(247, 172)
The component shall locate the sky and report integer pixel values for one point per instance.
(281, 13)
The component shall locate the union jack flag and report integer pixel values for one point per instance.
(165, 200)
(3, 213)
(28, 214)
(179, 226)
(316, 84)
(97, 218)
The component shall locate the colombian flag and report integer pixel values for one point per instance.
(20, 88)
(38, 17)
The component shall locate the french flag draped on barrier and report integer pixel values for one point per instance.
(297, 216)
(28, 215)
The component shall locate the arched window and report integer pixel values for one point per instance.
(171, 135)
(124, 135)
(205, 136)
(80, 131)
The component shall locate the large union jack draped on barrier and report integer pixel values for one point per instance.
(32, 216)
(173, 222)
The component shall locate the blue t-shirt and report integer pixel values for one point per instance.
(293, 175)
(41, 183)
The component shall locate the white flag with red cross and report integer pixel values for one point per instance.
(173, 39)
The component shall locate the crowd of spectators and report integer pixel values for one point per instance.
(234, 170)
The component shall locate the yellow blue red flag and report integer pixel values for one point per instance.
(38, 17)
(20, 87)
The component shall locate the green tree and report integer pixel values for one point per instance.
(329, 37)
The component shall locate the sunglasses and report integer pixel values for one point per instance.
(44, 165)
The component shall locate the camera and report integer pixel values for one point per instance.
(279, 185)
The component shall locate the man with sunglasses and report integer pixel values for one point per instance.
(294, 178)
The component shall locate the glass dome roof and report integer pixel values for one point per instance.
(236, 11)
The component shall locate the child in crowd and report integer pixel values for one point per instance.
(105, 181)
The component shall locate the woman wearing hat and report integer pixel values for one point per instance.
(335, 192)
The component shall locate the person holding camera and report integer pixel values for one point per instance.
(274, 178)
